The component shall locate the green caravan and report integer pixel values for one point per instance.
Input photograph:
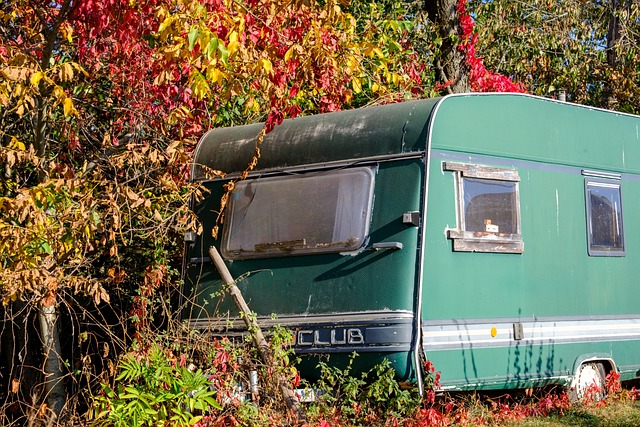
(495, 235)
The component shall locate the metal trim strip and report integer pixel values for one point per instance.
(321, 166)
(391, 316)
(418, 345)
(476, 334)
(532, 319)
(599, 174)
(511, 381)
(351, 349)
(444, 155)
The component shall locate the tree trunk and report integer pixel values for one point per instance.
(451, 65)
(19, 373)
(620, 10)
(55, 395)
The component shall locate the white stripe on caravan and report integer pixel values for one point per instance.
(467, 334)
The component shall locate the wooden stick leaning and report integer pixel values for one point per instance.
(256, 333)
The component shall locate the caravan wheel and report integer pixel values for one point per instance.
(589, 383)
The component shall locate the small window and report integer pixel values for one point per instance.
(604, 218)
(488, 209)
(300, 214)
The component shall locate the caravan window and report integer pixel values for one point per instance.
(488, 209)
(299, 214)
(604, 218)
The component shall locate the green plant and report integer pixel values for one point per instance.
(280, 345)
(374, 395)
(340, 388)
(150, 390)
(385, 393)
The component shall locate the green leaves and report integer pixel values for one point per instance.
(192, 37)
(563, 45)
(373, 391)
(212, 47)
(150, 390)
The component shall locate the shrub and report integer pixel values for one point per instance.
(153, 389)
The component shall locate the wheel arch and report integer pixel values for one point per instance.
(604, 358)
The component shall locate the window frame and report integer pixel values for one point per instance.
(274, 250)
(603, 183)
(473, 241)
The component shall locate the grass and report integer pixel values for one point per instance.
(541, 408)
(614, 414)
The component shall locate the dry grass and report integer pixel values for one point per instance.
(614, 414)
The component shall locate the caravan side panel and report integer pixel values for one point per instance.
(503, 320)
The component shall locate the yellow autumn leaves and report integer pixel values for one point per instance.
(22, 81)
(223, 64)
(50, 233)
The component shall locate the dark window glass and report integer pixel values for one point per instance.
(604, 218)
(487, 209)
(293, 215)
(490, 206)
